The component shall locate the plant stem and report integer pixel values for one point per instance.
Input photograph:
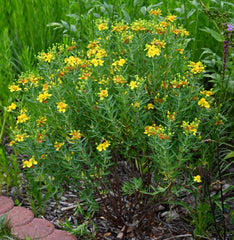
(221, 191)
(3, 124)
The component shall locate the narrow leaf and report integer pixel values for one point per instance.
(230, 155)
(191, 12)
(143, 10)
(213, 33)
(126, 16)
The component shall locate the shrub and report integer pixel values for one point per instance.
(125, 122)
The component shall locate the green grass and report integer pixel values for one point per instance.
(5, 231)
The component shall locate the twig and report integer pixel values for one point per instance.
(68, 208)
(179, 236)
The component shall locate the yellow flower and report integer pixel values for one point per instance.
(43, 156)
(19, 138)
(45, 87)
(14, 88)
(155, 12)
(11, 143)
(158, 43)
(133, 84)
(102, 26)
(58, 145)
(103, 94)
(73, 61)
(190, 127)
(150, 106)
(207, 93)
(203, 103)
(171, 116)
(180, 50)
(120, 62)
(46, 57)
(62, 107)
(41, 121)
(136, 105)
(13, 106)
(97, 62)
(119, 79)
(197, 178)
(43, 96)
(170, 18)
(33, 161)
(75, 134)
(196, 67)
(23, 81)
(27, 164)
(22, 118)
(152, 50)
(103, 146)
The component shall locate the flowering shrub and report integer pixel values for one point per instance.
(127, 116)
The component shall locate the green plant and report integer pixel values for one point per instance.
(10, 173)
(121, 120)
(22, 35)
(40, 189)
(5, 231)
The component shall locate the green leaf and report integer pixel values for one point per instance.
(180, 10)
(217, 36)
(136, 2)
(143, 10)
(65, 24)
(54, 24)
(96, 15)
(190, 13)
(230, 155)
(126, 16)
(73, 16)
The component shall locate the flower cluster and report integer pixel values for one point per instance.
(11, 107)
(29, 163)
(157, 131)
(155, 12)
(196, 68)
(22, 117)
(46, 57)
(203, 103)
(103, 146)
(62, 107)
(190, 128)
(103, 94)
(154, 48)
